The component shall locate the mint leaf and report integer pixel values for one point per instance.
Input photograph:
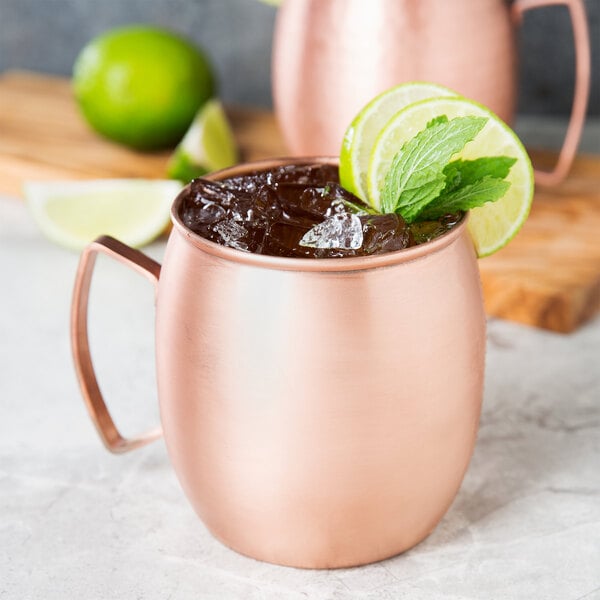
(470, 183)
(416, 175)
(415, 199)
(487, 189)
(436, 120)
(465, 172)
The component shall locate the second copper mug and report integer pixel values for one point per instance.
(318, 412)
(330, 57)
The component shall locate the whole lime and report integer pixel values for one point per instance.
(141, 85)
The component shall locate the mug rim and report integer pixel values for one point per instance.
(354, 263)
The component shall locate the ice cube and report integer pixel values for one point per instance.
(241, 209)
(283, 238)
(385, 233)
(210, 213)
(232, 234)
(303, 202)
(425, 231)
(342, 231)
(266, 204)
(203, 191)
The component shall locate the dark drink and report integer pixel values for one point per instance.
(298, 211)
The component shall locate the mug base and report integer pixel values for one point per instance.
(340, 559)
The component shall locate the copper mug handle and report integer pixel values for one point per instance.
(86, 375)
(582, 83)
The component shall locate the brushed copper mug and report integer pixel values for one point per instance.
(318, 412)
(331, 57)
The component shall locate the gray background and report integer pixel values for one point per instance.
(46, 35)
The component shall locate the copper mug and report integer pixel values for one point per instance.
(330, 57)
(318, 412)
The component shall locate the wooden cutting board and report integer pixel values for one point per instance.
(548, 276)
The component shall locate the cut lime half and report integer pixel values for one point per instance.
(493, 224)
(207, 146)
(74, 213)
(363, 131)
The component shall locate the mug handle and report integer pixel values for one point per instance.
(86, 375)
(582, 83)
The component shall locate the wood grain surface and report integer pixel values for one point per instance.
(548, 276)
(43, 136)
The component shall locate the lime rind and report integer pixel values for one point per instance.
(492, 225)
(74, 213)
(209, 145)
(360, 136)
(183, 168)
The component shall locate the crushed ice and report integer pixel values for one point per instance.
(342, 230)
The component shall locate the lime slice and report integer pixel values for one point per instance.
(363, 131)
(492, 225)
(74, 213)
(208, 145)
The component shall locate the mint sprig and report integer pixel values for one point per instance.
(424, 184)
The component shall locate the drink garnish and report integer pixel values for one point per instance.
(424, 184)
(362, 132)
(442, 156)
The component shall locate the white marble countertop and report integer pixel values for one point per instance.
(78, 522)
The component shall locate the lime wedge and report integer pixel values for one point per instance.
(74, 213)
(207, 146)
(492, 225)
(363, 131)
